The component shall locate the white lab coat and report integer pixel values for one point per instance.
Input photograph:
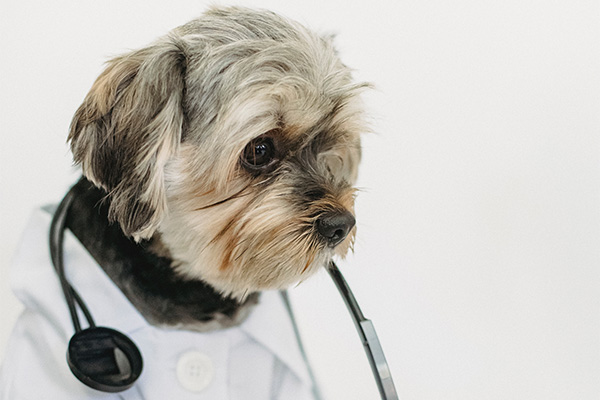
(259, 359)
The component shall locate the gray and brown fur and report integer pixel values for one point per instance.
(163, 128)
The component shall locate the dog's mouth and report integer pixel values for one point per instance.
(266, 233)
(254, 253)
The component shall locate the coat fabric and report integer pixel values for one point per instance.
(259, 359)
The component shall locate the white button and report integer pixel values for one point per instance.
(195, 371)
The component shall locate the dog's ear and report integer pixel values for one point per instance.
(128, 127)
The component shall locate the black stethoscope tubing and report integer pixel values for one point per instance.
(102, 358)
(57, 233)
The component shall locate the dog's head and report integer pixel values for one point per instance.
(235, 140)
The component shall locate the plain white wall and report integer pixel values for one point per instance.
(478, 252)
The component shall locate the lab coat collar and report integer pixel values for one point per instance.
(36, 284)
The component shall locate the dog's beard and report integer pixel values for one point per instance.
(251, 235)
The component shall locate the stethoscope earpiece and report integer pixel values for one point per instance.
(104, 359)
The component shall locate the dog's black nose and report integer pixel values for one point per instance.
(334, 227)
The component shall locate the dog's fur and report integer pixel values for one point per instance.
(163, 133)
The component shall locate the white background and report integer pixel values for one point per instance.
(478, 254)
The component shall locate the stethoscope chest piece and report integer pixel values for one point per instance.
(104, 359)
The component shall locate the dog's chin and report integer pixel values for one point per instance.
(253, 260)
(258, 272)
(240, 279)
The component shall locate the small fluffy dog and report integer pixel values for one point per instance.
(219, 162)
(232, 144)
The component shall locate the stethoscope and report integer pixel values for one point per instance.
(107, 360)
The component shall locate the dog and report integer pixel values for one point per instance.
(219, 165)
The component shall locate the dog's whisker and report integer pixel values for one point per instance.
(237, 195)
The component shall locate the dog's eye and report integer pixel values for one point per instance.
(260, 153)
